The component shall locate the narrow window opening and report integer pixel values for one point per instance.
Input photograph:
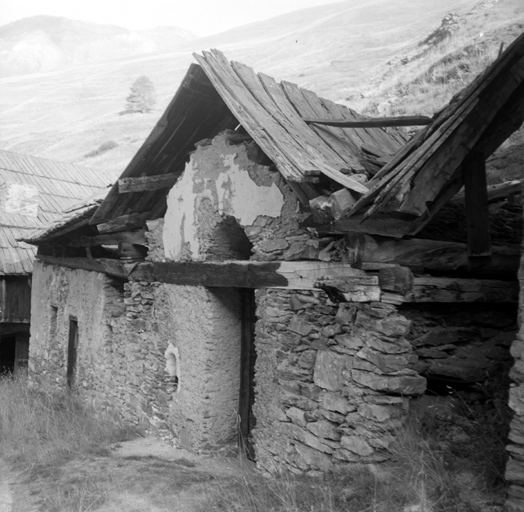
(52, 324)
(172, 368)
(72, 348)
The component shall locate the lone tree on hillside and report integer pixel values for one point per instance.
(142, 97)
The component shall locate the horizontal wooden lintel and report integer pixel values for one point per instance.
(353, 284)
(134, 236)
(373, 122)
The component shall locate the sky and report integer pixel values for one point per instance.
(204, 17)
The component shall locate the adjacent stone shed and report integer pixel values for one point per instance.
(234, 290)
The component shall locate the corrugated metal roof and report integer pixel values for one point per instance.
(59, 186)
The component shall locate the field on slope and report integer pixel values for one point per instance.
(340, 51)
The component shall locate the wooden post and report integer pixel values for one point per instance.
(476, 198)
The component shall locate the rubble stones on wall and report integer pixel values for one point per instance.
(515, 465)
(224, 190)
(331, 382)
(463, 343)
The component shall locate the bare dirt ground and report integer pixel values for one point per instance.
(142, 475)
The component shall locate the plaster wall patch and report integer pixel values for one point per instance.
(241, 197)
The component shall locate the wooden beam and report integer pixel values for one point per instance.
(298, 275)
(353, 284)
(124, 222)
(441, 289)
(495, 192)
(135, 236)
(374, 252)
(112, 267)
(147, 183)
(477, 212)
(374, 122)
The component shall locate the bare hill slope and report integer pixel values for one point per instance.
(48, 43)
(343, 51)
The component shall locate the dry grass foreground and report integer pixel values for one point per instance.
(67, 458)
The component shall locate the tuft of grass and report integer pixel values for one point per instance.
(40, 429)
(454, 464)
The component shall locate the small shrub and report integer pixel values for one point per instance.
(103, 148)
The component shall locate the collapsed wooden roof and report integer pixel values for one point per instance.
(218, 94)
(405, 194)
(416, 179)
(33, 192)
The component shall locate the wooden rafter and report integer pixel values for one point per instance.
(373, 122)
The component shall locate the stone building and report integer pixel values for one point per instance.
(33, 192)
(253, 276)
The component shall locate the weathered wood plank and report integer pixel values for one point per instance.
(124, 222)
(439, 170)
(441, 289)
(250, 115)
(111, 267)
(478, 90)
(302, 142)
(336, 138)
(147, 183)
(477, 212)
(373, 122)
(495, 192)
(299, 275)
(428, 256)
(136, 236)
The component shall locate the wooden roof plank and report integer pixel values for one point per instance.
(332, 136)
(252, 115)
(285, 118)
(445, 162)
(285, 113)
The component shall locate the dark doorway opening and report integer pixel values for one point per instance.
(247, 372)
(7, 354)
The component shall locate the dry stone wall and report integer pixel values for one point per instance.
(461, 342)
(515, 465)
(331, 381)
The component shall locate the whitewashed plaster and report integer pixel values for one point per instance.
(218, 177)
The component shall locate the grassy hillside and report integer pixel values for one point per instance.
(368, 53)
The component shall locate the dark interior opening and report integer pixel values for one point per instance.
(7, 354)
(229, 241)
(247, 372)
